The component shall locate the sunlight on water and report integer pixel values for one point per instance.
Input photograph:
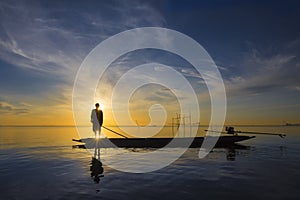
(52, 168)
(18, 137)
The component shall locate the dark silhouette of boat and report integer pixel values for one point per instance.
(222, 141)
(125, 142)
(290, 124)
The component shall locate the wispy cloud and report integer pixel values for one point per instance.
(265, 73)
(55, 39)
(8, 108)
(52, 39)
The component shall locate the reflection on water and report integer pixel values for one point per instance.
(96, 164)
(230, 154)
(232, 151)
(40, 163)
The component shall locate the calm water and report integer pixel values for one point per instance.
(40, 163)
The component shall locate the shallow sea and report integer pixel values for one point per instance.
(41, 163)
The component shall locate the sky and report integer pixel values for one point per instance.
(255, 44)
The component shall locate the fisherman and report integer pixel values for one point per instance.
(97, 119)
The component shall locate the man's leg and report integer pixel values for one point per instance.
(96, 131)
(99, 131)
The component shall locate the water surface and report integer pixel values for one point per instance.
(40, 163)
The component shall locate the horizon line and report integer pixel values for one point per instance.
(65, 125)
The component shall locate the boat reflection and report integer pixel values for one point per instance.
(232, 151)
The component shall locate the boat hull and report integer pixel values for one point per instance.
(223, 141)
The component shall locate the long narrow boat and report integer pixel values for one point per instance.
(223, 141)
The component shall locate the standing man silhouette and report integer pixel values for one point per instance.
(97, 119)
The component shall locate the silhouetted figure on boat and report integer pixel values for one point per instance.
(97, 119)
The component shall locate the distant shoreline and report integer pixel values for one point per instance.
(205, 125)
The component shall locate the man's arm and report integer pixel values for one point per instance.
(101, 118)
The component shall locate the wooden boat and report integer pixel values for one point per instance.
(222, 141)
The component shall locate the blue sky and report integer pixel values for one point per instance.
(255, 44)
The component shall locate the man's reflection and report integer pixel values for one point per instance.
(96, 164)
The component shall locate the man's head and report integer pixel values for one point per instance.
(97, 105)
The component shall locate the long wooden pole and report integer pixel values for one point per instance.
(115, 132)
(262, 133)
(249, 132)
